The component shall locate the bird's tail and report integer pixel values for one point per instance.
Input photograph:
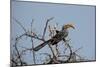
(42, 45)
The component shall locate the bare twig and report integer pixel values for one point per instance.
(57, 50)
(52, 50)
(70, 50)
(19, 37)
(46, 27)
(32, 45)
(20, 24)
(70, 53)
(16, 48)
(66, 46)
(18, 52)
(78, 49)
(36, 37)
(33, 51)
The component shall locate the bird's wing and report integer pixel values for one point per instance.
(42, 45)
(58, 35)
(57, 31)
(47, 42)
(53, 39)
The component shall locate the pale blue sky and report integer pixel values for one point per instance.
(83, 18)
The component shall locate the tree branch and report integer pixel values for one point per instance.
(32, 44)
(20, 24)
(46, 27)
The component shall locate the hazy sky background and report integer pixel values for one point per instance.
(83, 18)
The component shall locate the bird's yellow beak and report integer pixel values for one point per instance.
(69, 26)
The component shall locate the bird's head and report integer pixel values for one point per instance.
(67, 26)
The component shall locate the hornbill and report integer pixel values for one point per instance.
(60, 35)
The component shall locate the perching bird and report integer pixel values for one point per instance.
(60, 35)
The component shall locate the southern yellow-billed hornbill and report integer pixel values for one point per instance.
(60, 35)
